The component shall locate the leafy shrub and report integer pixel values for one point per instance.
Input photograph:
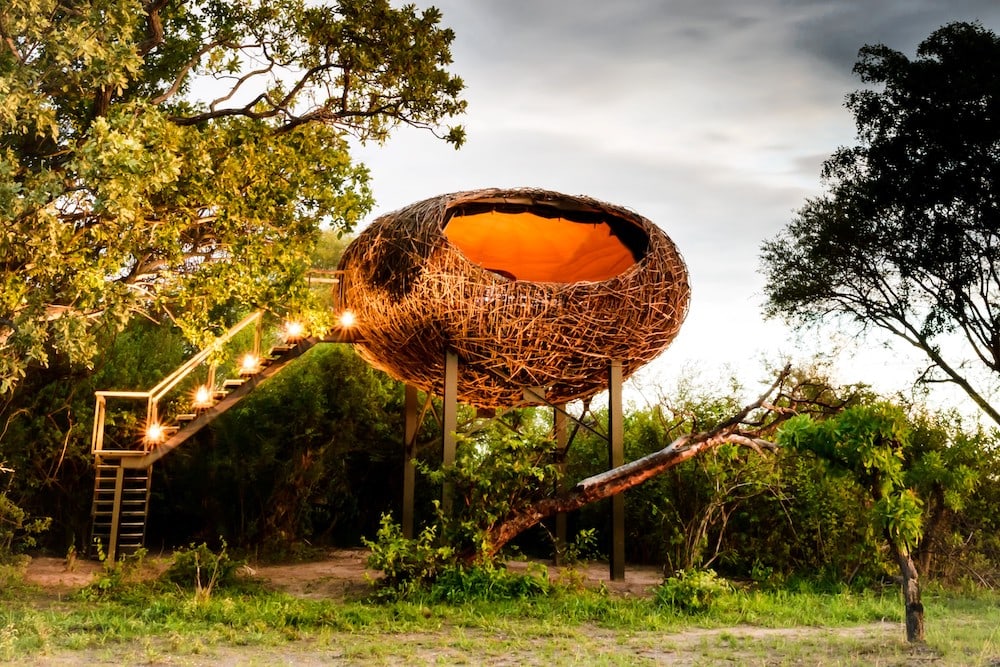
(485, 583)
(691, 591)
(117, 578)
(583, 547)
(17, 529)
(200, 569)
(407, 564)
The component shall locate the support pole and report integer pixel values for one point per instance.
(616, 457)
(449, 422)
(409, 453)
(559, 431)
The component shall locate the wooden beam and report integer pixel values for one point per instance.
(449, 422)
(616, 458)
(559, 431)
(409, 452)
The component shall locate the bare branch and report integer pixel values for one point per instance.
(185, 70)
(612, 482)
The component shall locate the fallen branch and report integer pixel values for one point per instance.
(734, 430)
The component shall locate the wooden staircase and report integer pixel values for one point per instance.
(121, 498)
(123, 474)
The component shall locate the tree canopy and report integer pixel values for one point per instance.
(168, 157)
(906, 237)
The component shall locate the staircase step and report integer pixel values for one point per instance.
(281, 349)
(186, 417)
(233, 383)
(133, 500)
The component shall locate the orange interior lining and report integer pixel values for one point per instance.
(529, 247)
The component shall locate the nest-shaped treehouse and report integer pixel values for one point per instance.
(530, 288)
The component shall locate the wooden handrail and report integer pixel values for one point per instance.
(154, 395)
(171, 381)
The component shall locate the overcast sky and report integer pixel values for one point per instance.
(710, 118)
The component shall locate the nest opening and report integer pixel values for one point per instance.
(538, 243)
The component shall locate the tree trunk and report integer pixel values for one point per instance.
(911, 595)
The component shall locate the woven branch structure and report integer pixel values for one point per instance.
(530, 288)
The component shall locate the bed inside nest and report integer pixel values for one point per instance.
(541, 242)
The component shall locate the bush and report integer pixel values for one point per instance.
(691, 591)
(17, 529)
(407, 565)
(200, 569)
(485, 583)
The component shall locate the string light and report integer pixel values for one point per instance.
(202, 397)
(348, 319)
(249, 364)
(155, 433)
(293, 330)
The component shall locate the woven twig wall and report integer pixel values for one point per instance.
(416, 294)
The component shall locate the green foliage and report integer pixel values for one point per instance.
(458, 584)
(117, 579)
(202, 570)
(45, 425)
(17, 529)
(682, 518)
(905, 238)
(496, 473)
(407, 564)
(692, 591)
(312, 456)
(916, 472)
(581, 548)
(867, 442)
(168, 158)
(433, 571)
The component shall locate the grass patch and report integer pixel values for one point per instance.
(547, 625)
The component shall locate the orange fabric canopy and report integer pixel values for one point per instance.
(524, 246)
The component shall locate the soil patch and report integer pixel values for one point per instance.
(338, 574)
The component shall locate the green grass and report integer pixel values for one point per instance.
(143, 623)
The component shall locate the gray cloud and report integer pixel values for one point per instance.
(711, 118)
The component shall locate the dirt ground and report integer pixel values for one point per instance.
(339, 574)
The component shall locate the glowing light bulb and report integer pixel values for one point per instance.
(154, 433)
(202, 397)
(348, 319)
(293, 330)
(248, 364)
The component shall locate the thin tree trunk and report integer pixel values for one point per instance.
(911, 595)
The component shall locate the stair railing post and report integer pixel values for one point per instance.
(258, 334)
(97, 437)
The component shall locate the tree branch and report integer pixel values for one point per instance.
(612, 482)
(154, 26)
(185, 70)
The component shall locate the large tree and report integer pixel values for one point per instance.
(906, 238)
(165, 157)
